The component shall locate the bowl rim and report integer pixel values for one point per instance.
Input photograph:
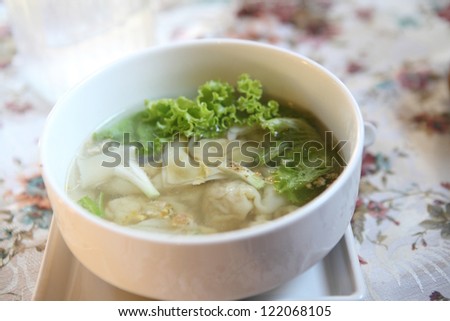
(222, 237)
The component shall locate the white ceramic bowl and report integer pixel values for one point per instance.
(229, 265)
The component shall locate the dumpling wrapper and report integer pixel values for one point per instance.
(94, 170)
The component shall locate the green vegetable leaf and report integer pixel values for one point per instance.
(296, 129)
(219, 98)
(304, 172)
(300, 185)
(95, 207)
(251, 110)
(134, 128)
(217, 107)
(116, 132)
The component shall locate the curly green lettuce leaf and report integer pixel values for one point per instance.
(249, 104)
(218, 97)
(181, 116)
(217, 107)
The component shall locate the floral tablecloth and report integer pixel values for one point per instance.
(395, 58)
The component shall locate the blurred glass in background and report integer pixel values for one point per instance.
(59, 42)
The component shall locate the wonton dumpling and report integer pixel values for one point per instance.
(271, 201)
(120, 186)
(219, 152)
(211, 152)
(180, 169)
(98, 169)
(125, 209)
(228, 203)
(133, 209)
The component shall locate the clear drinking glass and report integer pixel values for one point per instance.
(59, 42)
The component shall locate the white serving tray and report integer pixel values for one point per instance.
(63, 277)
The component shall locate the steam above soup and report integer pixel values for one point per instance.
(228, 159)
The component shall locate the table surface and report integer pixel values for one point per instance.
(394, 56)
